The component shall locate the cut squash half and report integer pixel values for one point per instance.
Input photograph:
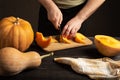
(107, 45)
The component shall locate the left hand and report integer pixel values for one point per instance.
(71, 28)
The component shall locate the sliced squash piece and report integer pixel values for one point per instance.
(54, 40)
(42, 41)
(80, 38)
(64, 40)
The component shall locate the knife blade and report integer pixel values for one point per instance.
(60, 30)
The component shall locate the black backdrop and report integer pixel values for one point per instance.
(104, 21)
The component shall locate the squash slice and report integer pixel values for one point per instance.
(65, 40)
(42, 41)
(80, 38)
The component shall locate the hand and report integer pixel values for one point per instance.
(71, 28)
(55, 16)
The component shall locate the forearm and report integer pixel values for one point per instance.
(48, 4)
(90, 7)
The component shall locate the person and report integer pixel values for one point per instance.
(67, 15)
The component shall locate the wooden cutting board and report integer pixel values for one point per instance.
(62, 46)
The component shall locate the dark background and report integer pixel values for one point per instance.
(104, 21)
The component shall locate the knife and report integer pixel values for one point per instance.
(60, 31)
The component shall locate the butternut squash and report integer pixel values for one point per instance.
(13, 61)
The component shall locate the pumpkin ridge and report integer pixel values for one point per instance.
(4, 40)
(28, 31)
(23, 42)
(10, 34)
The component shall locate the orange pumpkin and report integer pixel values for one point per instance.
(15, 32)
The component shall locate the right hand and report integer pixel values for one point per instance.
(55, 16)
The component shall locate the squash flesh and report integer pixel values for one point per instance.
(41, 40)
(65, 40)
(108, 41)
(80, 38)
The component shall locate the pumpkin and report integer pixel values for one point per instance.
(15, 32)
(44, 41)
(13, 61)
(107, 45)
(80, 38)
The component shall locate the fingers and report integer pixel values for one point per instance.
(70, 30)
(60, 20)
(56, 19)
(57, 23)
(73, 32)
(66, 30)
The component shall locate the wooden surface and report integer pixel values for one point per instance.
(62, 46)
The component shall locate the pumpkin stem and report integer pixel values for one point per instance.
(17, 21)
(46, 55)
